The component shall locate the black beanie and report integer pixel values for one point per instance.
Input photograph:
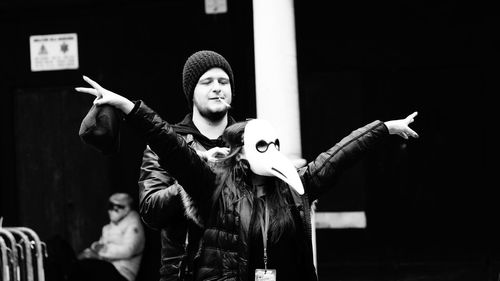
(196, 65)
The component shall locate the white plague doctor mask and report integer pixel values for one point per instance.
(262, 146)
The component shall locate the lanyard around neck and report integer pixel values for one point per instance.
(264, 225)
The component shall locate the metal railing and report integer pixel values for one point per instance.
(22, 254)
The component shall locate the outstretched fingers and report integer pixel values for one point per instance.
(92, 83)
(96, 89)
(88, 91)
(409, 120)
(401, 127)
(411, 117)
(411, 133)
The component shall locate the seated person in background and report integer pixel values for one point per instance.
(117, 255)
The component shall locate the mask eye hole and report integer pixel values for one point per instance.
(277, 144)
(261, 146)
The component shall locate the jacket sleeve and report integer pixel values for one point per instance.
(130, 243)
(159, 199)
(174, 154)
(323, 172)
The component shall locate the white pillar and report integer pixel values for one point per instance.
(276, 72)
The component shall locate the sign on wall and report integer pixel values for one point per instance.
(215, 6)
(54, 52)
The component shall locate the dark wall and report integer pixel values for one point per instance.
(425, 199)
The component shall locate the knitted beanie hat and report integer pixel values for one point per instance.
(196, 65)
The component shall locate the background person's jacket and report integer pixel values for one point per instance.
(123, 244)
(223, 254)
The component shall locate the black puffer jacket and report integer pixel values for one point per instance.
(165, 206)
(224, 251)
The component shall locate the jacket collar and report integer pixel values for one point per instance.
(187, 126)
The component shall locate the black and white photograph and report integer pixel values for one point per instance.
(242, 140)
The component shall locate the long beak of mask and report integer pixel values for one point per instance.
(261, 146)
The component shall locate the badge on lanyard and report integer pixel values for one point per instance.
(265, 274)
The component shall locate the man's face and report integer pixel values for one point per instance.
(212, 86)
(117, 212)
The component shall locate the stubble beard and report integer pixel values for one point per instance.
(213, 116)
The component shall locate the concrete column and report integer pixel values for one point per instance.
(276, 72)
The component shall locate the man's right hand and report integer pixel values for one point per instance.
(104, 96)
(213, 154)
